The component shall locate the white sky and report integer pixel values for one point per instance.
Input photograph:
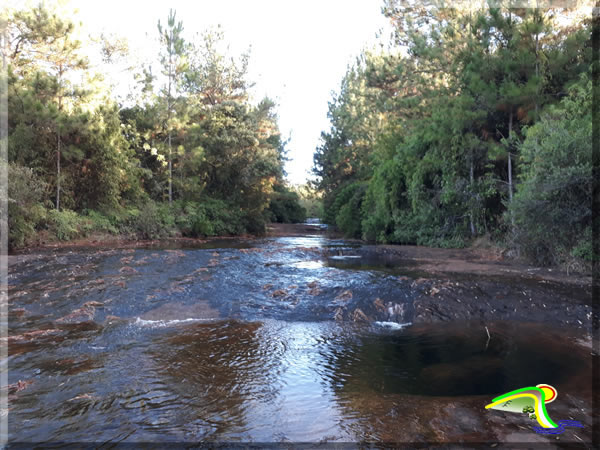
(299, 49)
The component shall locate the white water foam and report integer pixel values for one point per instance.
(165, 323)
(393, 325)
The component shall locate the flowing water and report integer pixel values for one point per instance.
(254, 341)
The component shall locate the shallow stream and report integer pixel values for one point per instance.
(261, 341)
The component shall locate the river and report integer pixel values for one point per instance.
(265, 340)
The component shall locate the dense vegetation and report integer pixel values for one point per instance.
(477, 122)
(188, 153)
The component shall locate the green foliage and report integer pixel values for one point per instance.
(444, 132)
(346, 209)
(196, 139)
(310, 199)
(552, 210)
(26, 211)
(285, 206)
(383, 201)
(98, 222)
(65, 224)
(153, 221)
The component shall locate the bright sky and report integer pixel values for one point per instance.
(299, 50)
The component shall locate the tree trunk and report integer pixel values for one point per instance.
(510, 182)
(58, 171)
(169, 123)
(537, 70)
(170, 172)
(58, 142)
(471, 179)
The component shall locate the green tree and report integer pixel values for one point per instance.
(553, 203)
(43, 41)
(173, 62)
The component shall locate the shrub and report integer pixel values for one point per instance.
(96, 221)
(26, 212)
(285, 206)
(153, 221)
(552, 208)
(347, 208)
(65, 224)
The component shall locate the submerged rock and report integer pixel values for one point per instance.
(84, 314)
(359, 316)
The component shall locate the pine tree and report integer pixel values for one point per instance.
(173, 62)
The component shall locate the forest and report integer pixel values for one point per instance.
(475, 122)
(188, 154)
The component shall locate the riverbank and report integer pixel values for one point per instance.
(479, 261)
(475, 260)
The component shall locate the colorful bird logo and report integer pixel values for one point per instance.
(532, 401)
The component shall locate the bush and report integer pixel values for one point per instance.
(226, 218)
(98, 222)
(552, 208)
(154, 221)
(26, 211)
(211, 217)
(383, 200)
(65, 224)
(285, 206)
(347, 208)
(192, 221)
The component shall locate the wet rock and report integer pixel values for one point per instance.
(112, 320)
(31, 335)
(18, 312)
(279, 293)
(83, 314)
(338, 315)
(314, 291)
(313, 288)
(93, 304)
(418, 282)
(26, 342)
(79, 397)
(127, 269)
(344, 296)
(379, 306)
(359, 316)
(267, 286)
(251, 250)
(18, 386)
(142, 261)
(12, 389)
